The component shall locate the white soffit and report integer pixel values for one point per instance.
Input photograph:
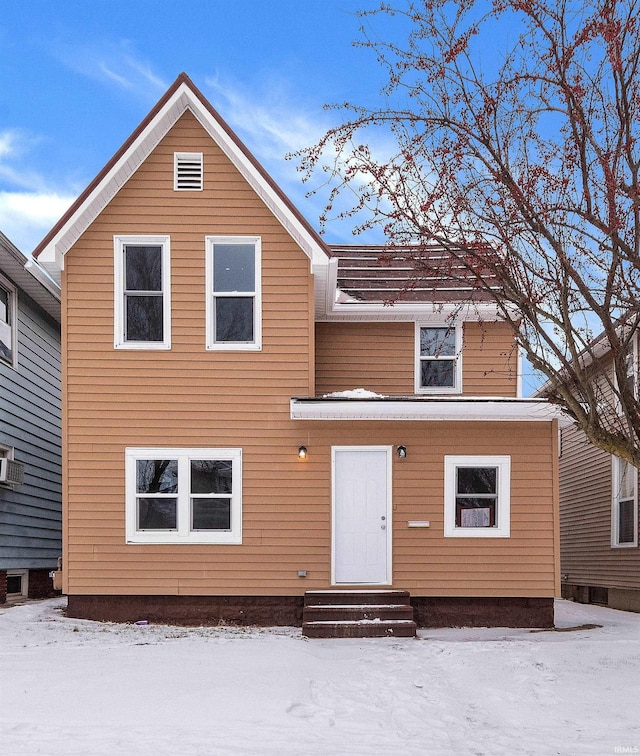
(423, 312)
(52, 256)
(425, 409)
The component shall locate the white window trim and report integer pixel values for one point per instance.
(634, 364)
(634, 373)
(119, 243)
(502, 528)
(24, 584)
(183, 534)
(457, 372)
(192, 156)
(6, 452)
(615, 503)
(256, 344)
(13, 318)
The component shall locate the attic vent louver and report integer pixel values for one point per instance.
(187, 175)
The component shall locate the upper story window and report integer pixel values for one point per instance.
(624, 510)
(142, 292)
(438, 359)
(8, 311)
(477, 496)
(184, 495)
(234, 312)
(631, 364)
(188, 174)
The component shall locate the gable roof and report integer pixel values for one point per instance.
(182, 95)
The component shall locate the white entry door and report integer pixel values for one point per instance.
(362, 514)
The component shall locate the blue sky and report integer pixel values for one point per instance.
(77, 76)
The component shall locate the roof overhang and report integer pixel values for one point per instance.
(30, 277)
(425, 409)
(331, 304)
(182, 96)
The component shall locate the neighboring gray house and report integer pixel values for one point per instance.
(599, 543)
(30, 426)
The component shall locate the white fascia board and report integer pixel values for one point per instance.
(42, 277)
(428, 409)
(52, 256)
(410, 311)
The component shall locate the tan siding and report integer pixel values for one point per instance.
(380, 357)
(587, 557)
(489, 360)
(192, 398)
(375, 356)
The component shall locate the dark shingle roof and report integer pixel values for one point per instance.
(409, 274)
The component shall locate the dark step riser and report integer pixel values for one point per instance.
(330, 614)
(358, 631)
(354, 597)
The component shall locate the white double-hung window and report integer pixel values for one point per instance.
(233, 308)
(438, 359)
(624, 504)
(183, 495)
(142, 318)
(477, 501)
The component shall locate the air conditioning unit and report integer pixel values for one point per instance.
(11, 472)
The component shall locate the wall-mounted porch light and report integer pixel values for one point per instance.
(302, 452)
(402, 451)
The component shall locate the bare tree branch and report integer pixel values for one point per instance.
(524, 164)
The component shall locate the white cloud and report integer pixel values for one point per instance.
(269, 118)
(25, 217)
(28, 206)
(273, 121)
(113, 63)
(7, 143)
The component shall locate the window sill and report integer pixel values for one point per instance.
(478, 533)
(234, 347)
(173, 539)
(144, 345)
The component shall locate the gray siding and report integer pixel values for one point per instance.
(30, 514)
(587, 557)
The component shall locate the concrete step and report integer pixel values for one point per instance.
(355, 612)
(314, 598)
(358, 614)
(360, 629)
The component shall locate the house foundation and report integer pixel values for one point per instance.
(271, 611)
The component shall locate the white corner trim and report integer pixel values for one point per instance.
(425, 409)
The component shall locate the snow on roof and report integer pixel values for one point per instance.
(358, 393)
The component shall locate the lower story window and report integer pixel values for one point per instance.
(184, 495)
(624, 519)
(477, 496)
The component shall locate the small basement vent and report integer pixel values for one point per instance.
(11, 472)
(187, 171)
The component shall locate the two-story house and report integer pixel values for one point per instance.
(219, 463)
(30, 442)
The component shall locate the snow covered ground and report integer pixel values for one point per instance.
(76, 687)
